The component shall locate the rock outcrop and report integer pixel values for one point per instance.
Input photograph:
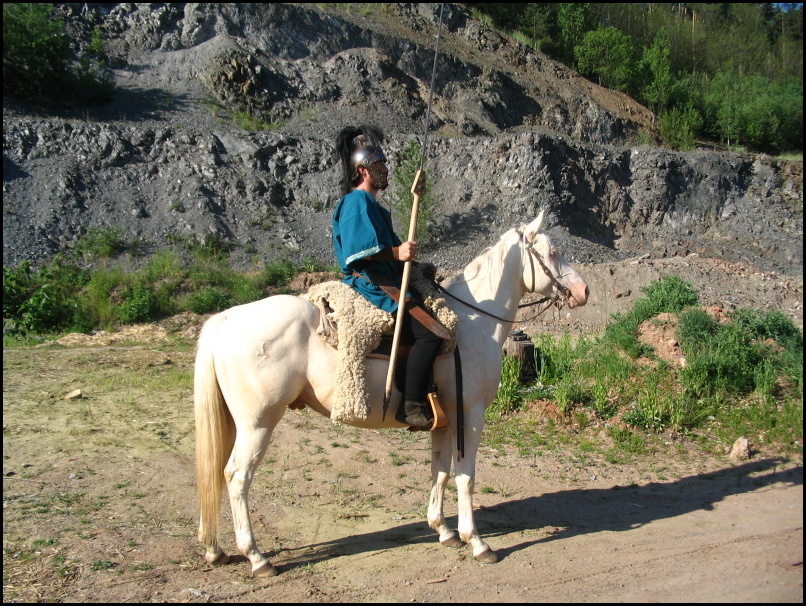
(511, 132)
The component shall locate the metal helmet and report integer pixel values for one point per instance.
(368, 155)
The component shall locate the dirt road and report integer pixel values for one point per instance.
(99, 499)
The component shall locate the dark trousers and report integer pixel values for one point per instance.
(424, 350)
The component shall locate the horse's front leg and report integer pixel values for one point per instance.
(465, 482)
(250, 446)
(441, 454)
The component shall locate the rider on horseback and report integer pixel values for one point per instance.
(371, 255)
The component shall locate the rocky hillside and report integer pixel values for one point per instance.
(512, 132)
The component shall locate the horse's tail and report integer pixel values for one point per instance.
(215, 434)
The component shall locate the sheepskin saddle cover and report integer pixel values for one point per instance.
(355, 327)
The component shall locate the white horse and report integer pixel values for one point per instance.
(255, 360)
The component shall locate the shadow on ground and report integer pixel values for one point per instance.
(568, 512)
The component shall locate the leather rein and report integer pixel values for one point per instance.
(558, 299)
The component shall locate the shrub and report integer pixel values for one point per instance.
(101, 243)
(609, 55)
(403, 200)
(37, 62)
(737, 357)
(35, 50)
(694, 329)
(43, 301)
(679, 127)
(45, 310)
(139, 305)
(209, 299)
(278, 274)
(507, 399)
(669, 295)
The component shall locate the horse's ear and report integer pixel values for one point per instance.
(535, 226)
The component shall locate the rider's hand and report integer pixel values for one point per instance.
(406, 251)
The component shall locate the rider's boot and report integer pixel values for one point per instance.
(416, 414)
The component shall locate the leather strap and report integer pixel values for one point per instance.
(460, 407)
(416, 311)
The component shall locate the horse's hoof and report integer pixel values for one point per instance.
(218, 559)
(265, 570)
(453, 541)
(487, 557)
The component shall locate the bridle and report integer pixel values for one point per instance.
(563, 290)
(557, 299)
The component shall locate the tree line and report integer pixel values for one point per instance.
(725, 72)
(730, 73)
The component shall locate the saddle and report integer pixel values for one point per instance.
(355, 327)
(412, 307)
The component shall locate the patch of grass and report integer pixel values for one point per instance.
(399, 460)
(508, 397)
(44, 543)
(247, 121)
(743, 377)
(670, 295)
(63, 295)
(523, 432)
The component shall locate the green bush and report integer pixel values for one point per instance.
(754, 112)
(609, 55)
(209, 299)
(570, 392)
(278, 273)
(735, 373)
(37, 63)
(554, 359)
(680, 127)
(101, 243)
(139, 305)
(507, 399)
(695, 328)
(738, 357)
(45, 310)
(43, 301)
(18, 285)
(35, 50)
(669, 295)
(403, 200)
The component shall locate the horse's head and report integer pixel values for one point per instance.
(545, 270)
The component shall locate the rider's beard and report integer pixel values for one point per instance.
(380, 178)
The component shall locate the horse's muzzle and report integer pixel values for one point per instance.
(578, 296)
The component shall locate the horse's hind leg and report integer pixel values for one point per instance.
(250, 446)
(441, 454)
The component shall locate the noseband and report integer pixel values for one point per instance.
(558, 299)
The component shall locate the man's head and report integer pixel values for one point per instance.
(369, 163)
(363, 161)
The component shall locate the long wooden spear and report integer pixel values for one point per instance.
(415, 208)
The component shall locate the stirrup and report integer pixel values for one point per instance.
(440, 420)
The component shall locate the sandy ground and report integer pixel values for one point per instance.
(99, 497)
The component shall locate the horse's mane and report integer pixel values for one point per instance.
(488, 265)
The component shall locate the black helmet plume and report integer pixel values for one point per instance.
(350, 140)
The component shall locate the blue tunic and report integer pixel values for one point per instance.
(362, 228)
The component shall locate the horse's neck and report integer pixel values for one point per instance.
(496, 290)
